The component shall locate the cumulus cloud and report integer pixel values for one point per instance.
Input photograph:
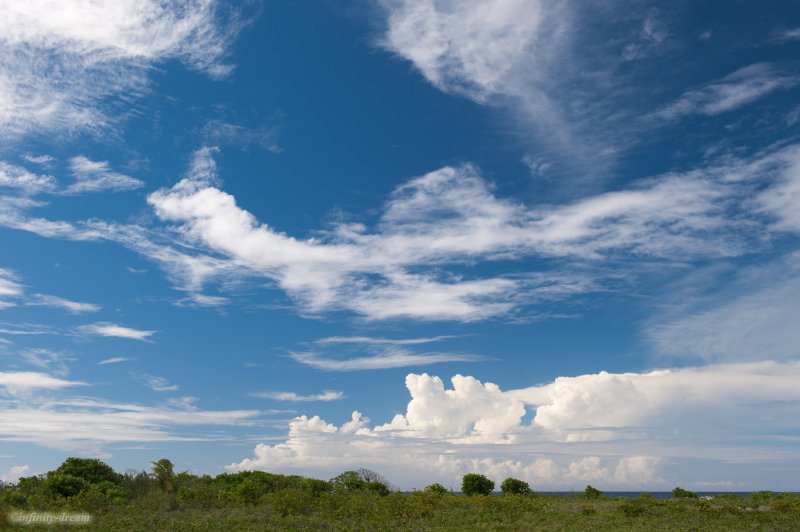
(589, 428)
(115, 331)
(15, 473)
(93, 176)
(61, 63)
(327, 395)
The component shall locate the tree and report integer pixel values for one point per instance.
(680, 493)
(476, 484)
(90, 470)
(436, 488)
(514, 486)
(349, 480)
(592, 493)
(164, 474)
(363, 479)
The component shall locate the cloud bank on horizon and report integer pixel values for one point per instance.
(586, 214)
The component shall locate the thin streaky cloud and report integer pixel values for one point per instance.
(97, 176)
(154, 382)
(114, 331)
(74, 307)
(380, 341)
(326, 395)
(391, 358)
(113, 360)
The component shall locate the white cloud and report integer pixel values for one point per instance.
(449, 216)
(20, 178)
(468, 46)
(53, 361)
(658, 399)
(60, 63)
(327, 395)
(93, 176)
(155, 383)
(590, 428)
(39, 159)
(89, 423)
(735, 90)
(753, 317)
(379, 341)
(9, 287)
(75, 307)
(470, 412)
(15, 473)
(410, 264)
(113, 360)
(114, 330)
(390, 358)
(21, 382)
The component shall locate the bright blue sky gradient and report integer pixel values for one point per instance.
(217, 223)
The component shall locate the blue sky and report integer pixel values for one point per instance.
(555, 241)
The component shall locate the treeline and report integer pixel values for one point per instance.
(91, 483)
(164, 499)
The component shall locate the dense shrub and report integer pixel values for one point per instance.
(436, 488)
(90, 470)
(680, 493)
(476, 484)
(592, 493)
(62, 485)
(514, 486)
(356, 481)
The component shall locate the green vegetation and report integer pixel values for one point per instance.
(475, 484)
(353, 500)
(680, 493)
(592, 493)
(514, 486)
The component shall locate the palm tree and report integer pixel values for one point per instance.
(164, 474)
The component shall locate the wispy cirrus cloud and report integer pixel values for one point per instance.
(410, 264)
(325, 396)
(74, 307)
(87, 423)
(735, 90)
(63, 65)
(94, 176)
(114, 331)
(113, 360)
(389, 358)
(379, 341)
(20, 382)
(154, 382)
(17, 177)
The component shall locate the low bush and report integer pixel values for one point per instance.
(680, 493)
(592, 493)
